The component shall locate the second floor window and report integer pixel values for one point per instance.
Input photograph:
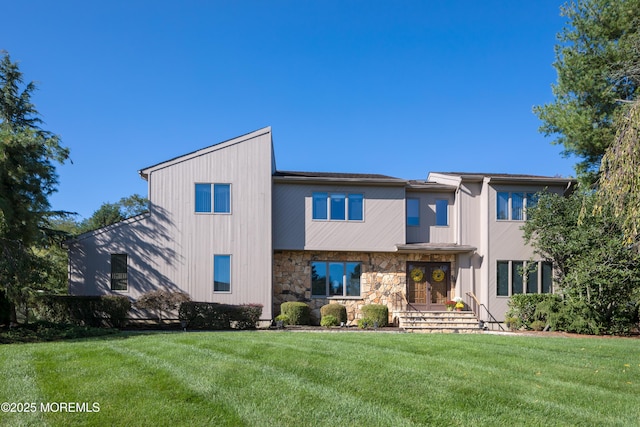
(413, 212)
(338, 206)
(214, 198)
(442, 212)
(513, 206)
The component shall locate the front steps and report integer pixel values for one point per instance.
(457, 322)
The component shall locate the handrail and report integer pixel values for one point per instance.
(479, 304)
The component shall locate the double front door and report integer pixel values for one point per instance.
(428, 284)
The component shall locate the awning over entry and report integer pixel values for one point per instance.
(440, 248)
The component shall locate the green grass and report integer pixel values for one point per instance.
(268, 378)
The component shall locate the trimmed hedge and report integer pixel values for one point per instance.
(96, 311)
(376, 313)
(338, 311)
(299, 313)
(211, 315)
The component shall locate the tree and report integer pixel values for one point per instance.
(27, 178)
(619, 184)
(598, 277)
(595, 79)
(110, 213)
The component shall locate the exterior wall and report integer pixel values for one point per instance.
(505, 243)
(428, 231)
(383, 279)
(382, 228)
(174, 246)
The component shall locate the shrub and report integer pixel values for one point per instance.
(538, 325)
(161, 300)
(376, 313)
(365, 323)
(329, 320)
(523, 308)
(211, 315)
(96, 310)
(299, 313)
(283, 318)
(338, 311)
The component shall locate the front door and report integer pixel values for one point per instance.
(428, 284)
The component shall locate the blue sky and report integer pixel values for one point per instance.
(392, 87)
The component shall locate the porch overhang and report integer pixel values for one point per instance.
(434, 248)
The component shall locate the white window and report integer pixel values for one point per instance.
(222, 273)
(337, 206)
(513, 206)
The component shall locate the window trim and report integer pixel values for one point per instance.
(328, 214)
(327, 294)
(112, 272)
(212, 203)
(229, 256)
(446, 213)
(417, 200)
(527, 196)
(540, 278)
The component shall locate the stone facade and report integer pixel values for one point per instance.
(382, 281)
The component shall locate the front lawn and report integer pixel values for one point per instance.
(268, 378)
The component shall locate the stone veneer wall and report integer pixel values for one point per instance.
(382, 281)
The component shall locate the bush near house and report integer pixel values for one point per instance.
(329, 320)
(376, 313)
(96, 311)
(211, 315)
(338, 311)
(522, 309)
(298, 313)
(161, 300)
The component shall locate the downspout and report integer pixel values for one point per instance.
(458, 237)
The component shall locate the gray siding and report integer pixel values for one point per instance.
(176, 245)
(294, 229)
(428, 231)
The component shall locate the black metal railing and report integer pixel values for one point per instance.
(480, 305)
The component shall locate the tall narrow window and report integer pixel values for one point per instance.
(320, 205)
(517, 277)
(442, 212)
(503, 206)
(413, 212)
(517, 206)
(319, 278)
(222, 273)
(547, 277)
(356, 207)
(222, 198)
(119, 274)
(353, 279)
(532, 278)
(337, 202)
(503, 278)
(203, 197)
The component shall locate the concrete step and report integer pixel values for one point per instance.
(438, 321)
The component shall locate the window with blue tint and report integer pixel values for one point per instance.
(532, 200)
(442, 212)
(335, 279)
(353, 279)
(356, 207)
(222, 198)
(517, 206)
(203, 197)
(413, 212)
(503, 206)
(320, 205)
(337, 203)
(222, 273)
(318, 278)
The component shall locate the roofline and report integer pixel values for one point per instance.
(507, 178)
(144, 172)
(339, 180)
(109, 227)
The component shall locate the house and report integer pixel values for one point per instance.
(224, 225)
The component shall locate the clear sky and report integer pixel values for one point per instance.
(392, 87)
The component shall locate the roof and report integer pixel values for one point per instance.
(508, 177)
(337, 177)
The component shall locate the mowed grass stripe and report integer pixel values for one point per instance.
(238, 379)
(297, 379)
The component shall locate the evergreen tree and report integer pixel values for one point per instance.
(27, 178)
